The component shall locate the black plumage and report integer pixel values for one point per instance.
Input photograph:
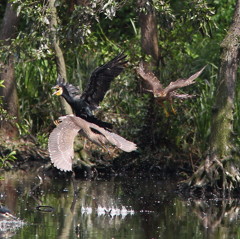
(5, 213)
(98, 84)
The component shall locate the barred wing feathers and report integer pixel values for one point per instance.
(116, 139)
(60, 144)
(183, 82)
(103, 136)
(61, 140)
(151, 82)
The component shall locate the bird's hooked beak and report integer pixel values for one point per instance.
(58, 90)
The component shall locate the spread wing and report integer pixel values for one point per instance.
(115, 139)
(120, 142)
(99, 135)
(151, 82)
(60, 144)
(101, 78)
(61, 140)
(182, 82)
(175, 95)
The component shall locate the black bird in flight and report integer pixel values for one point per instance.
(6, 214)
(84, 104)
(61, 139)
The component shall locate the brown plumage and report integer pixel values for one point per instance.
(61, 140)
(161, 94)
(153, 84)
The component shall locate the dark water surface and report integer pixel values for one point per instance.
(110, 209)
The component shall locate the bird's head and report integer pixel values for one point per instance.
(5, 213)
(58, 90)
(160, 94)
(59, 87)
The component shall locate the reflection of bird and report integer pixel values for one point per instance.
(60, 144)
(98, 84)
(9, 224)
(168, 93)
(6, 214)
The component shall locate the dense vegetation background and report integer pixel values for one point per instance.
(89, 34)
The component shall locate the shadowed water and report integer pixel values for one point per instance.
(117, 208)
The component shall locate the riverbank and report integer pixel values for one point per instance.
(88, 162)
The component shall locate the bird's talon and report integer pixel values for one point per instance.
(56, 122)
(166, 113)
(173, 110)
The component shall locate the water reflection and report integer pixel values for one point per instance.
(117, 208)
(217, 216)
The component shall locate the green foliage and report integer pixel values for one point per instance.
(82, 17)
(42, 139)
(91, 34)
(202, 109)
(34, 88)
(186, 45)
(5, 161)
(3, 113)
(35, 66)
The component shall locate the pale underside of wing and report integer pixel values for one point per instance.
(61, 140)
(116, 140)
(104, 136)
(181, 96)
(153, 84)
(182, 82)
(60, 144)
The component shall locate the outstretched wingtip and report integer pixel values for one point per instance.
(121, 143)
(130, 147)
(62, 168)
(197, 74)
(120, 58)
(202, 69)
(122, 53)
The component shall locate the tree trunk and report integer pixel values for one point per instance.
(61, 67)
(149, 45)
(149, 33)
(222, 127)
(9, 91)
(218, 171)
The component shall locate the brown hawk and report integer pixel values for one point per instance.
(152, 84)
